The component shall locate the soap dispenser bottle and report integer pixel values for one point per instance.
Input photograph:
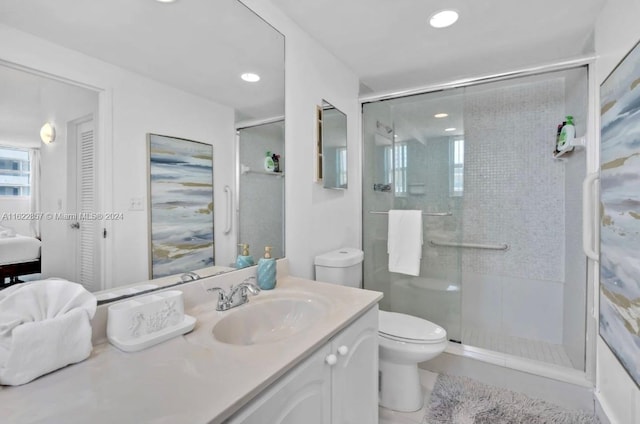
(269, 166)
(267, 270)
(567, 133)
(244, 258)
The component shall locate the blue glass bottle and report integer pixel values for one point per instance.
(267, 270)
(244, 259)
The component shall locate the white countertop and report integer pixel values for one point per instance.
(188, 379)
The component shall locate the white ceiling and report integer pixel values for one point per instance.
(390, 45)
(199, 46)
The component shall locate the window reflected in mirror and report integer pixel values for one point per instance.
(456, 167)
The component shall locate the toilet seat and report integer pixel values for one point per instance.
(409, 329)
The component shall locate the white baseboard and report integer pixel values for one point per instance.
(603, 411)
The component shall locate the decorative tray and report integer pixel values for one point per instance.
(142, 322)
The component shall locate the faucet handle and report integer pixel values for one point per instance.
(224, 300)
(221, 294)
(189, 276)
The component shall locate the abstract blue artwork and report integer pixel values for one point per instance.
(620, 213)
(180, 205)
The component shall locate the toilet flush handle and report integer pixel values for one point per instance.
(343, 350)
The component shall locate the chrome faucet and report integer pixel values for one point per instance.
(237, 295)
(189, 276)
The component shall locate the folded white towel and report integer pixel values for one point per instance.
(44, 325)
(404, 241)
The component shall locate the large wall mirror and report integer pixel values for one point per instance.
(332, 146)
(79, 204)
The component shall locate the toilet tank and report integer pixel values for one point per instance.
(342, 266)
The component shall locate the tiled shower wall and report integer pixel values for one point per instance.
(514, 194)
(261, 226)
(514, 190)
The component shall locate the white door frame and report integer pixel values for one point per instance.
(104, 150)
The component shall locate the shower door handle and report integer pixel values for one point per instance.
(589, 214)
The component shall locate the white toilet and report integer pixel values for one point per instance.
(404, 340)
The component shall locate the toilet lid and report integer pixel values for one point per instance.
(409, 329)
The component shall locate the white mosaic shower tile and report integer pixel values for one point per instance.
(513, 191)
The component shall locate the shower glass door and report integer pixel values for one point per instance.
(261, 226)
(414, 159)
(502, 266)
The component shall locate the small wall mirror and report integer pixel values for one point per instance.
(332, 147)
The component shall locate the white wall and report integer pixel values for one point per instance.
(65, 103)
(317, 219)
(137, 106)
(617, 31)
(141, 106)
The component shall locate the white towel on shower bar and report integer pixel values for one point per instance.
(404, 241)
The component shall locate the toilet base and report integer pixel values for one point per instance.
(400, 388)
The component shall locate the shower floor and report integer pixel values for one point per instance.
(524, 348)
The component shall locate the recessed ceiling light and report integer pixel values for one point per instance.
(440, 115)
(443, 19)
(449, 129)
(250, 77)
(165, 1)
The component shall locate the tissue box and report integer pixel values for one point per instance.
(145, 321)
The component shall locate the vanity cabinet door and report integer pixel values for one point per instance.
(355, 374)
(303, 395)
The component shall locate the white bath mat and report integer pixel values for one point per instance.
(460, 400)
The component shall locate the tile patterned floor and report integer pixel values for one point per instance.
(525, 348)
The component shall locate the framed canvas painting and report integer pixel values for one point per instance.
(620, 213)
(180, 205)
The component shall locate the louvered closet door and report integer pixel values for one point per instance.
(87, 207)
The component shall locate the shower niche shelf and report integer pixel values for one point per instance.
(579, 142)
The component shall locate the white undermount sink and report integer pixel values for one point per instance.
(270, 320)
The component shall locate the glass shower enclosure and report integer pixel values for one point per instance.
(502, 267)
(261, 226)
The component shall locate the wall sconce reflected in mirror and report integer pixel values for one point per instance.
(47, 133)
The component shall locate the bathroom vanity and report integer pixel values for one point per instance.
(237, 366)
(335, 384)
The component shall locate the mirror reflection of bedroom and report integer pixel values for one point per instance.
(47, 176)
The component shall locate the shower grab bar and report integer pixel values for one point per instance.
(228, 219)
(423, 213)
(502, 246)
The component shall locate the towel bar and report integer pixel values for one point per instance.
(503, 246)
(423, 213)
